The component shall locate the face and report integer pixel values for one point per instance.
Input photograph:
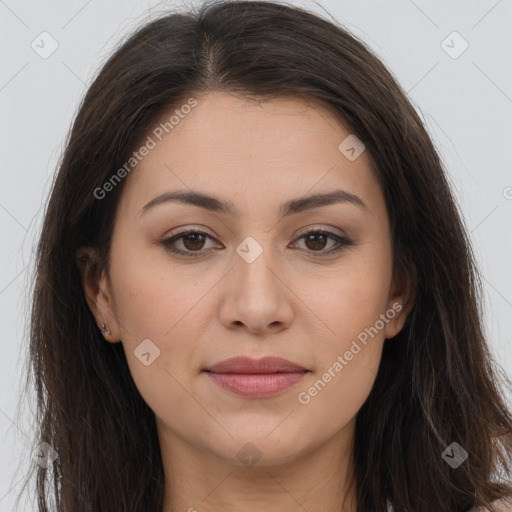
(266, 272)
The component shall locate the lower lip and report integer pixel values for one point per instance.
(256, 385)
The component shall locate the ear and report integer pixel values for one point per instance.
(97, 292)
(401, 297)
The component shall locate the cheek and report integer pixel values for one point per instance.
(351, 302)
(159, 309)
(333, 398)
(351, 297)
(348, 357)
(166, 303)
(154, 296)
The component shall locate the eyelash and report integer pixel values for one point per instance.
(342, 241)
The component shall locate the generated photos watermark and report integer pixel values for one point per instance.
(305, 397)
(151, 142)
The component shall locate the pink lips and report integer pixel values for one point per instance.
(256, 378)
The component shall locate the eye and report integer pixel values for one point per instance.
(191, 239)
(317, 239)
(193, 242)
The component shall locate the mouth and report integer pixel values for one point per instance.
(255, 378)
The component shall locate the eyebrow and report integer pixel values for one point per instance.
(215, 204)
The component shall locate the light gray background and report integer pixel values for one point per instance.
(466, 103)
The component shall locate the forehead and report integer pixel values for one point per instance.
(243, 149)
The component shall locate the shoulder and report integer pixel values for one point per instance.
(503, 505)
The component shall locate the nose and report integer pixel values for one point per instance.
(256, 296)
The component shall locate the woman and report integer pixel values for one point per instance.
(254, 290)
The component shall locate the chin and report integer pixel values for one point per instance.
(262, 450)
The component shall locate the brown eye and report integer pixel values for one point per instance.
(316, 241)
(193, 241)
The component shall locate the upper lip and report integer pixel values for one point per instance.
(242, 364)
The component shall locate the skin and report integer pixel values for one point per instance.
(289, 302)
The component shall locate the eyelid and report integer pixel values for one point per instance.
(181, 230)
(317, 228)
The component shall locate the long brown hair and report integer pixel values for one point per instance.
(437, 382)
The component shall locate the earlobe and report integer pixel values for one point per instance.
(398, 315)
(96, 291)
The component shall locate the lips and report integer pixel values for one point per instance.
(264, 365)
(255, 378)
